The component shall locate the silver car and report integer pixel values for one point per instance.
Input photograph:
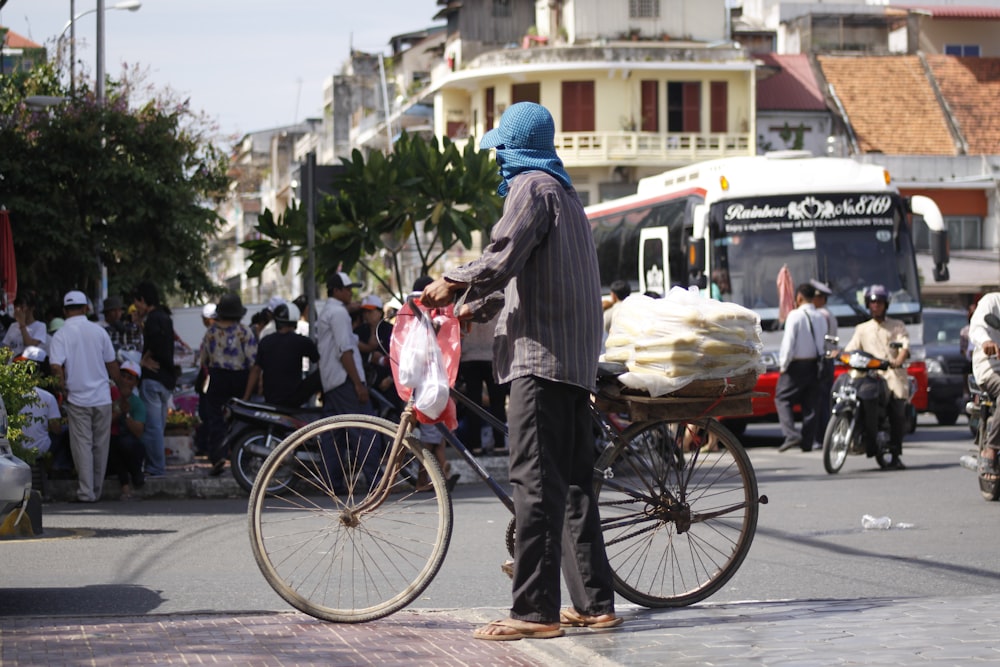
(15, 474)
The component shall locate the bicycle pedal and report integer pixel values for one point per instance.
(507, 567)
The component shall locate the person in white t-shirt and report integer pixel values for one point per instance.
(43, 413)
(25, 330)
(83, 360)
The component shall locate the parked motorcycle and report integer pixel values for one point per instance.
(255, 429)
(845, 433)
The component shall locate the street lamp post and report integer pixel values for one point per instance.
(128, 5)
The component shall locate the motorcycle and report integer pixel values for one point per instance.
(980, 408)
(255, 429)
(845, 433)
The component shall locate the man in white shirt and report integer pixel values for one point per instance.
(342, 374)
(799, 361)
(985, 343)
(83, 360)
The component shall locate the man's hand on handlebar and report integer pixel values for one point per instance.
(990, 349)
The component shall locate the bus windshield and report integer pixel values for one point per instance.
(848, 241)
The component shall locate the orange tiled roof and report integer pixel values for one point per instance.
(890, 103)
(16, 41)
(971, 86)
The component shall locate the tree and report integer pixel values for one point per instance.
(91, 185)
(422, 194)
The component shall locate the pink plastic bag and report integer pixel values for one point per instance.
(413, 363)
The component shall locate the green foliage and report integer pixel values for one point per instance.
(17, 383)
(444, 194)
(124, 187)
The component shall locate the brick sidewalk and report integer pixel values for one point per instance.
(261, 640)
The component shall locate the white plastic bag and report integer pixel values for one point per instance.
(421, 367)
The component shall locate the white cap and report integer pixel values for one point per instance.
(274, 302)
(132, 367)
(371, 302)
(208, 311)
(75, 298)
(32, 353)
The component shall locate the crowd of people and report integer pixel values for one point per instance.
(105, 382)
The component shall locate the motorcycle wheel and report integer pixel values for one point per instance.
(989, 488)
(837, 442)
(248, 455)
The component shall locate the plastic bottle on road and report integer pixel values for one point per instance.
(869, 522)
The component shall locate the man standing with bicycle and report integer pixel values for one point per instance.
(540, 271)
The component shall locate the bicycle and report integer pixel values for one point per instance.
(677, 495)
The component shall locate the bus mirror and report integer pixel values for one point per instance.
(939, 251)
(699, 220)
(927, 209)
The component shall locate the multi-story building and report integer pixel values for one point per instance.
(261, 169)
(634, 89)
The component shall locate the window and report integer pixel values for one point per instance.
(684, 106)
(490, 105)
(650, 106)
(501, 9)
(643, 9)
(719, 101)
(526, 92)
(577, 106)
(971, 50)
(964, 233)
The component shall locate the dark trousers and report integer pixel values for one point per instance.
(125, 459)
(824, 391)
(223, 385)
(798, 386)
(555, 508)
(474, 375)
(896, 411)
(354, 449)
(992, 386)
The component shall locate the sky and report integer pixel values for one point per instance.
(248, 64)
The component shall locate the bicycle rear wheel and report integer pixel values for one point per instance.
(323, 545)
(679, 506)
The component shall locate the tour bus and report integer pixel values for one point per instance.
(730, 225)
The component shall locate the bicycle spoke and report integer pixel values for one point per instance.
(356, 555)
(678, 509)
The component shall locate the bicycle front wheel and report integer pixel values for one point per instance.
(331, 545)
(678, 503)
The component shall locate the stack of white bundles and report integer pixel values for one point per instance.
(670, 342)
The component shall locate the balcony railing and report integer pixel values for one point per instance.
(582, 149)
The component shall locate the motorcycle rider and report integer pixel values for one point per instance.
(984, 340)
(279, 361)
(874, 337)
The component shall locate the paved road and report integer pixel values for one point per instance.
(816, 589)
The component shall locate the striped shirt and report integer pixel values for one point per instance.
(542, 256)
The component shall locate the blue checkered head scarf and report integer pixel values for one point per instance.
(525, 141)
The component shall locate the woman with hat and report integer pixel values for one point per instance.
(228, 350)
